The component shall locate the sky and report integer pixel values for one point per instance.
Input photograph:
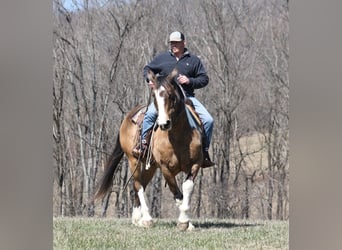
(68, 4)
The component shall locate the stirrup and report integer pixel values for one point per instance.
(140, 150)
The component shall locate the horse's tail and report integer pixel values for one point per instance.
(111, 166)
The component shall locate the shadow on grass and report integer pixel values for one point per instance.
(210, 224)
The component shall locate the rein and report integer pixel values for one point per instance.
(139, 159)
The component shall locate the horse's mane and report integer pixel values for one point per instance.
(170, 84)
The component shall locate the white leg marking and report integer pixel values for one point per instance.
(188, 187)
(191, 227)
(136, 215)
(144, 209)
(178, 202)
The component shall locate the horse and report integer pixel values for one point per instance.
(175, 146)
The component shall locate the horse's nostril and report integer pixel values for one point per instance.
(166, 126)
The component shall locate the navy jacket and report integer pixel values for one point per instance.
(188, 65)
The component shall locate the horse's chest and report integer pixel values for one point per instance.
(174, 151)
(164, 153)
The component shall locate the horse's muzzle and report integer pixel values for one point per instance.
(166, 126)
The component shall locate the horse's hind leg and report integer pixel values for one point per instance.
(146, 218)
(141, 215)
(136, 213)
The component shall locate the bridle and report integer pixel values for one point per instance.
(181, 97)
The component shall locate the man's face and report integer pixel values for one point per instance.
(177, 47)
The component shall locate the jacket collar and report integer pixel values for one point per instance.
(186, 52)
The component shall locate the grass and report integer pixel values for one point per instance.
(96, 233)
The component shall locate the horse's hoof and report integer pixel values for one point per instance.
(135, 222)
(182, 226)
(191, 227)
(147, 223)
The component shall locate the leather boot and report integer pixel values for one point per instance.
(207, 162)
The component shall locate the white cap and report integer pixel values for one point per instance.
(176, 37)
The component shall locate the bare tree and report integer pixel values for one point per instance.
(100, 49)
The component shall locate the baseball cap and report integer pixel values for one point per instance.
(176, 36)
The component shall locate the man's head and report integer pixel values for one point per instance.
(177, 42)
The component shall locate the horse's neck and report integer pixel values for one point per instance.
(182, 125)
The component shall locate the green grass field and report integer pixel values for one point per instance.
(96, 233)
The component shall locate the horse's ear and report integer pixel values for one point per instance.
(171, 78)
(151, 76)
(173, 73)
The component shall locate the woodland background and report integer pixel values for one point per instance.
(100, 48)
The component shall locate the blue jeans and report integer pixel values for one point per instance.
(207, 120)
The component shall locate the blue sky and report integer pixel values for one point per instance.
(68, 4)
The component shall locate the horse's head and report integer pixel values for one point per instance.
(167, 99)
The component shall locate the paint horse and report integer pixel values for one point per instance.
(175, 147)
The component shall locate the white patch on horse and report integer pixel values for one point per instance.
(144, 208)
(188, 187)
(162, 116)
(136, 215)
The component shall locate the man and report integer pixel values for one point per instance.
(192, 75)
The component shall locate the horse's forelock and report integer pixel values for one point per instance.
(170, 84)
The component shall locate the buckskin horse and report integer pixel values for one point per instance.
(175, 147)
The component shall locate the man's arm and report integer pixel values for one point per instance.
(201, 78)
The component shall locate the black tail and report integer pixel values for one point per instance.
(111, 166)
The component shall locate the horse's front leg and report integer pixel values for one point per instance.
(173, 186)
(188, 187)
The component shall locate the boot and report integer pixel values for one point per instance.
(207, 162)
(140, 150)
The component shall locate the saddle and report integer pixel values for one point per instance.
(138, 117)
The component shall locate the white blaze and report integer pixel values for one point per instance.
(162, 116)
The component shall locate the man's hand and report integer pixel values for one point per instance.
(182, 79)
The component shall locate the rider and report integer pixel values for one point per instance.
(192, 75)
